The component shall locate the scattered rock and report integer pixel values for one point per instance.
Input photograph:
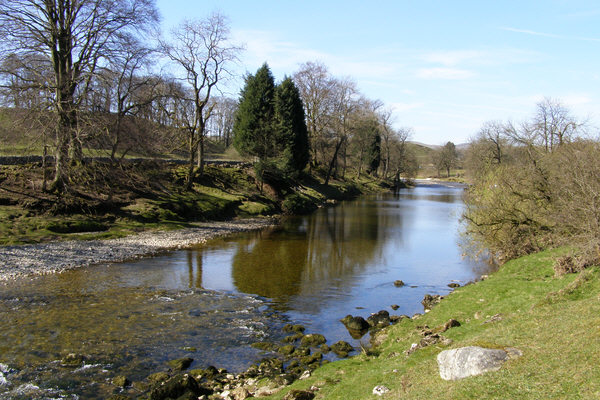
(158, 377)
(293, 338)
(469, 361)
(325, 348)
(305, 375)
(293, 328)
(284, 379)
(380, 319)
(453, 285)
(357, 326)
(72, 360)
(286, 350)
(180, 364)
(312, 359)
(395, 307)
(178, 386)
(121, 381)
(380, 390)
(240, 393)
(312, 340)
(355, 323)
(342, 348)
(429, 301)
(299, 395)
(494, 318)
(451, 323)
(265, 346)
(398, 283)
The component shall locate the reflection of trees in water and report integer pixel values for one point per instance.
(309, 255)
(195, 274)
(271, 263)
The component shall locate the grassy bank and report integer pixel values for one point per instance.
(113, 201)
(554, 321)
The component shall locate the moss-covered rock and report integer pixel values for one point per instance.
(180, 364)
(313, 340)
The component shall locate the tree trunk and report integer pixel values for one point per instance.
(333, 159)
(191, 162)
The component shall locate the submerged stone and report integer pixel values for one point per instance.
(180, 364)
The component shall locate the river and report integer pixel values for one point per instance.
(211, 302)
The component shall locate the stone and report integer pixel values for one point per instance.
(355, 323)
(299, 395)
(342, 348)
(395, 307)
(398, 283)
(121, 381)
(430, 300)
(305, 375)
(158, 377)
(240, 393)
(453, 285)
(312, 340)
(284, 379)
(180, 364)
(451, 323)
(293, 328)
(379, 319)
(286, 350)
(72, 360)
(470, 361)
(178, 386)
(380, 390)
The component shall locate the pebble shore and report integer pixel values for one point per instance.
(54, 257)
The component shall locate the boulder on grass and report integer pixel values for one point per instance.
(470, 361)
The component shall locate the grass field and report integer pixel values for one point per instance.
(554, 321)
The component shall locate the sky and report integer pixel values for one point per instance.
(444, 67)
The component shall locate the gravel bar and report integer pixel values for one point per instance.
(53, 257)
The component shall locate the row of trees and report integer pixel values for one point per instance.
(80, 67)
(81, 74)
(345, 128)
(535, 184)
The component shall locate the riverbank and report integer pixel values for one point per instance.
(552, 320)
(45, 258)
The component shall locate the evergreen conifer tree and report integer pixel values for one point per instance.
(290, 125)
(253, 128)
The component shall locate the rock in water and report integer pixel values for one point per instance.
(469, 361)
(355, 323)
(379, 320)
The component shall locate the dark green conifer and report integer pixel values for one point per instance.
(290, 125)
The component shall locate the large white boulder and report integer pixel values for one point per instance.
(469, 361)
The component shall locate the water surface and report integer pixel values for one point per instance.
(212, 301)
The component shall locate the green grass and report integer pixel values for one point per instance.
(554, 321)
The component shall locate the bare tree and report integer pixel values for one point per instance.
(72, 37)
(203, 51)
(316, 88)
(345, 102)
(553, 124)
(222, 119)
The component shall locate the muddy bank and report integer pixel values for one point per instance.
(39, 259)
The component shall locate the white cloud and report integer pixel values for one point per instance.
(444, 73)
(402, 107)
(454, 57)
(550, 35)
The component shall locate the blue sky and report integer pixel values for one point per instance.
(444, 66)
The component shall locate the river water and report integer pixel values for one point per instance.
(211, 302)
